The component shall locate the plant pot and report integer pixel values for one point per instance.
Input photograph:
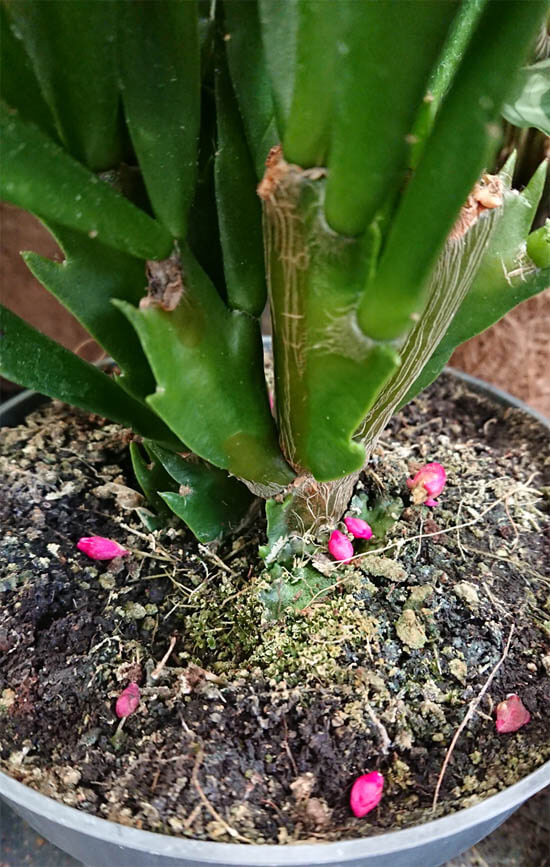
(100, 843)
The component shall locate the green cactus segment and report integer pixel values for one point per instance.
(381, 516)
(449, 285)
(91, 275)
(239, 209)
(443, 72)
(529, 105)
(294, 589)
(72, 49)
(448, 169)
(505, 277)
(30, 359)
(248, 69)
(152, 478)
(538, 246)
(41, 177)
(208, 364)
(307, 133)
(385, 51)
(327, 374)
(279, 25)
(159, 64)
(277, 547)
(18, 85)
(341, 390)
(209, 501)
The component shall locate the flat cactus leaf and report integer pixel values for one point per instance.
(159, 70)
(73, 52)
(19, 87)
(505, 277)
(41, 177)
(30, 359)
(278, 547)
(85, 283)
(207, 499)
(293, 590)
(152, 478)
(218, 405)
(381, 516)
(529, 105)
(464, 137)
(247, 65)
(238, 207)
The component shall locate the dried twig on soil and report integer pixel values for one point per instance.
(385, 741)
(401, 542)
(214, 813)
(469, 713)
(158, 668)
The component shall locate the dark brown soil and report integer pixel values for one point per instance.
(255, 729)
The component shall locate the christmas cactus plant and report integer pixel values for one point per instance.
(195, 159)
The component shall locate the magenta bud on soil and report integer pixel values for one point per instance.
(100, 548)
(428, 482)
(366, 793)
(358, 528)
(128, 700)
(340, 546)
(511, 714)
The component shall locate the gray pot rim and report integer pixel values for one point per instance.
(242, 855)
(297, 854)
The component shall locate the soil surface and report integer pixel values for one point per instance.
(254, 728)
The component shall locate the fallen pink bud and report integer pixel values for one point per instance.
(100, 548)
(358, 528)
(428, 482)
(511, 714)
(366, 793)
(128, 700)
(340, 546)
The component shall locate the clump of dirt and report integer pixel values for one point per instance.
(254, 729)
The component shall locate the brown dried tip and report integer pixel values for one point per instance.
(165, 279)
(275, 169)
(486, 195)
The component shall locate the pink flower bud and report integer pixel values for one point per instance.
(511, 714)
(100, 548)
(428, 482)
(340, 546)
(366, 793)
(358, 528)
(128, 700)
